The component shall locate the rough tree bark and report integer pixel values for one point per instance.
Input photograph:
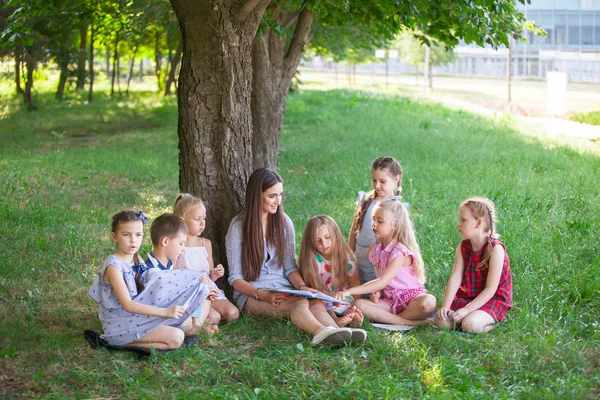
(215, 122)
(274, 65)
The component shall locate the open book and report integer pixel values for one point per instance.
(309, 295)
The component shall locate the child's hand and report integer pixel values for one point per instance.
(213, 294)
(174, 312)
(445, 313)
(218, 272)
(204, 278)
(375, 296)
(460, 314)
(342, 295)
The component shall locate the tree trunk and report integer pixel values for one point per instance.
(107, 61)
(114, 68)
(27, 94)
(130, 72)
(158, 62)
(18, 62)
(274, 65)
(215, 121)
(174, 63)
(91, 91)
(82, 57)
(62, 80)
(141, 69)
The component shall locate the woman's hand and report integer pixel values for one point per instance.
(375, 296)
(275, 298)
(445, 313)
(218, 272)
(174, 312)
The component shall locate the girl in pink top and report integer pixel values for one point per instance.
(398, 294)
(198, 256)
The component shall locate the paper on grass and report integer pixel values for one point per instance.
(393, 327)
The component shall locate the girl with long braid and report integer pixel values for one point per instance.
(479, 291)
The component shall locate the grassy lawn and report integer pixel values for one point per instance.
(66, 168)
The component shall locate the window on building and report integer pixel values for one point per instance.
(573, 31)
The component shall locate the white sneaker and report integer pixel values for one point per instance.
(332, 336)
(358, 335)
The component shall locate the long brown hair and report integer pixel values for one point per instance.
(404, 232)
(252, 235)
(393, 168)
(340, 257)
(484, 208)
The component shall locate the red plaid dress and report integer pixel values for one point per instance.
(473, 282)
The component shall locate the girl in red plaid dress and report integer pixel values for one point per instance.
(479, 291)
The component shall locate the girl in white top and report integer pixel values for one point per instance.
(386, 178)
(198, 255)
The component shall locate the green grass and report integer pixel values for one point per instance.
(592, 118)
(68, 167)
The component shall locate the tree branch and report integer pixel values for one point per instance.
(246, 9)
(299, 41)
(290, 19)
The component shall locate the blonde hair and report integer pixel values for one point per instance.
(404, 231)
(340, 257)
(484, 208)
(394, 169)
(184, 202)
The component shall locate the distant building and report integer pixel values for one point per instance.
(572, 44)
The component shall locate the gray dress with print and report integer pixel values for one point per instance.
(177, 287)
(271, 276)
(364, 239)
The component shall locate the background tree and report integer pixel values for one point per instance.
(233, 83)
(412, 49)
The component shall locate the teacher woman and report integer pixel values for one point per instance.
(261, 256)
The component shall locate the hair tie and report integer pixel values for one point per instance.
(397, 197)
(184, 195)
(495, 236)
(142, 217)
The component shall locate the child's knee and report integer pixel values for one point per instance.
(428, 304)
(175, 339)
(472, 325)
(232, 313)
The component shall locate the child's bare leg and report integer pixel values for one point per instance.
(227, 311)
(199, 321)
(189, 329)
(163, 338)
(382, 312)
(478, 322)
(357, 316)
(317, 308)
(346, 318)
(214, 316)
(420, 307)
(447, 323)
